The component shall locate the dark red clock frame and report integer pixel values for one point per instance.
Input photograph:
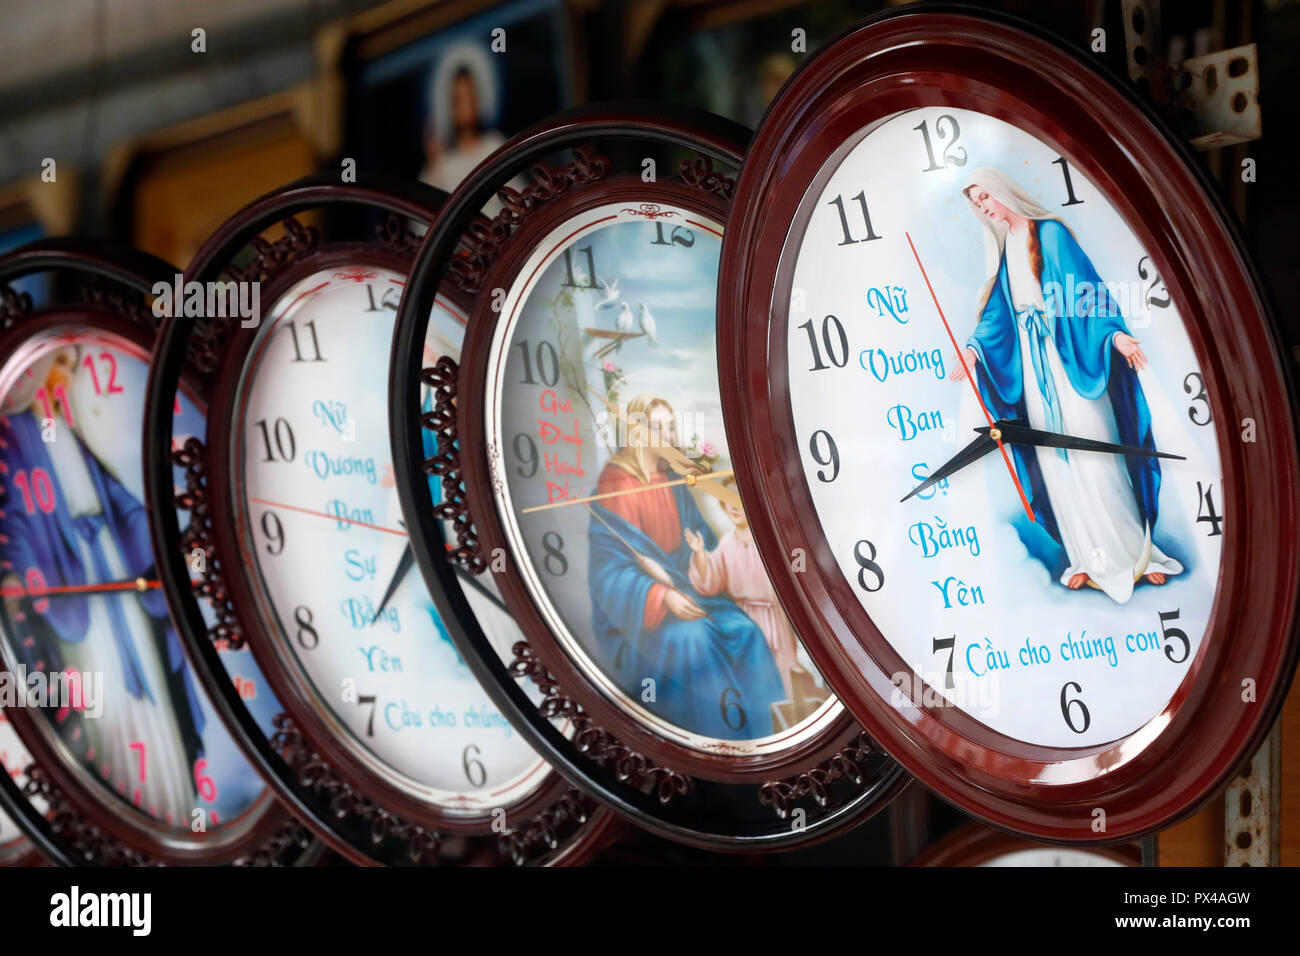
(361, 814)
(911, 59)
(572, 163)
(975, 844)
(108, 289)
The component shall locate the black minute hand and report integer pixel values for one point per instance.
(1018, 434)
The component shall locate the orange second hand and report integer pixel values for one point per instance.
(324, 514)
(79, 589)
(970, 377)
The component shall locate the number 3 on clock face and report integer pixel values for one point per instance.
(948, 244)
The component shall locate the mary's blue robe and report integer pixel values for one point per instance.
(715, 676)
(1083, 331)
(50, 543)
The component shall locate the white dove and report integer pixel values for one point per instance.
(612, 294)
(624, 321)
(647, 323)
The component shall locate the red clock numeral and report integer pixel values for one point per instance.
(37, 491)
(36, 585)
(61, 396)
(206, 786)
(138, 746)
(111, 360)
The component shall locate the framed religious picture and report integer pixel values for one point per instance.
(434, 88)
(729, 57)
(172, 188)
(1009, 395)
(35, 208)
(126, 760)
(584, 471)
(298, 548)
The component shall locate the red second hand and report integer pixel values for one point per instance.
(140, 584)
(325, 514)
(970, 377)
(343, 520)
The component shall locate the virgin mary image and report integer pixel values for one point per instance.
(96, 532)
(1069, 367)
(713, 671)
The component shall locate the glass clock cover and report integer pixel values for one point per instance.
(1071, 622)
(325, 541)
(617, 492)
(1001, 365)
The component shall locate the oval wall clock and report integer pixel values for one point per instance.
(129, 763)
(1005, 376)
(388, 747)
(977, 845)
(584, 469)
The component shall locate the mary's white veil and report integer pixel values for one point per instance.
(1010, 193)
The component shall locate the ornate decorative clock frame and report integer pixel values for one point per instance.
(361, 815)
(817, 788)
(109, 289)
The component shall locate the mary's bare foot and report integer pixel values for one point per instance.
(1155, 577)
(1077, 581)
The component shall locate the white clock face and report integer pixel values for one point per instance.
(1051, 856)
(1071, 629)
(323, 533)
(603, 413)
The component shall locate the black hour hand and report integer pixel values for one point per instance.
(971, 453)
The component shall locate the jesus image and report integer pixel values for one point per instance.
(1072, 368)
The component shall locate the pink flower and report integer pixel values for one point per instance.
(609, 367)
(708, 449)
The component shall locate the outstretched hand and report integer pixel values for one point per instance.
(958, 372)
(694, 540)
(1128, 347)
